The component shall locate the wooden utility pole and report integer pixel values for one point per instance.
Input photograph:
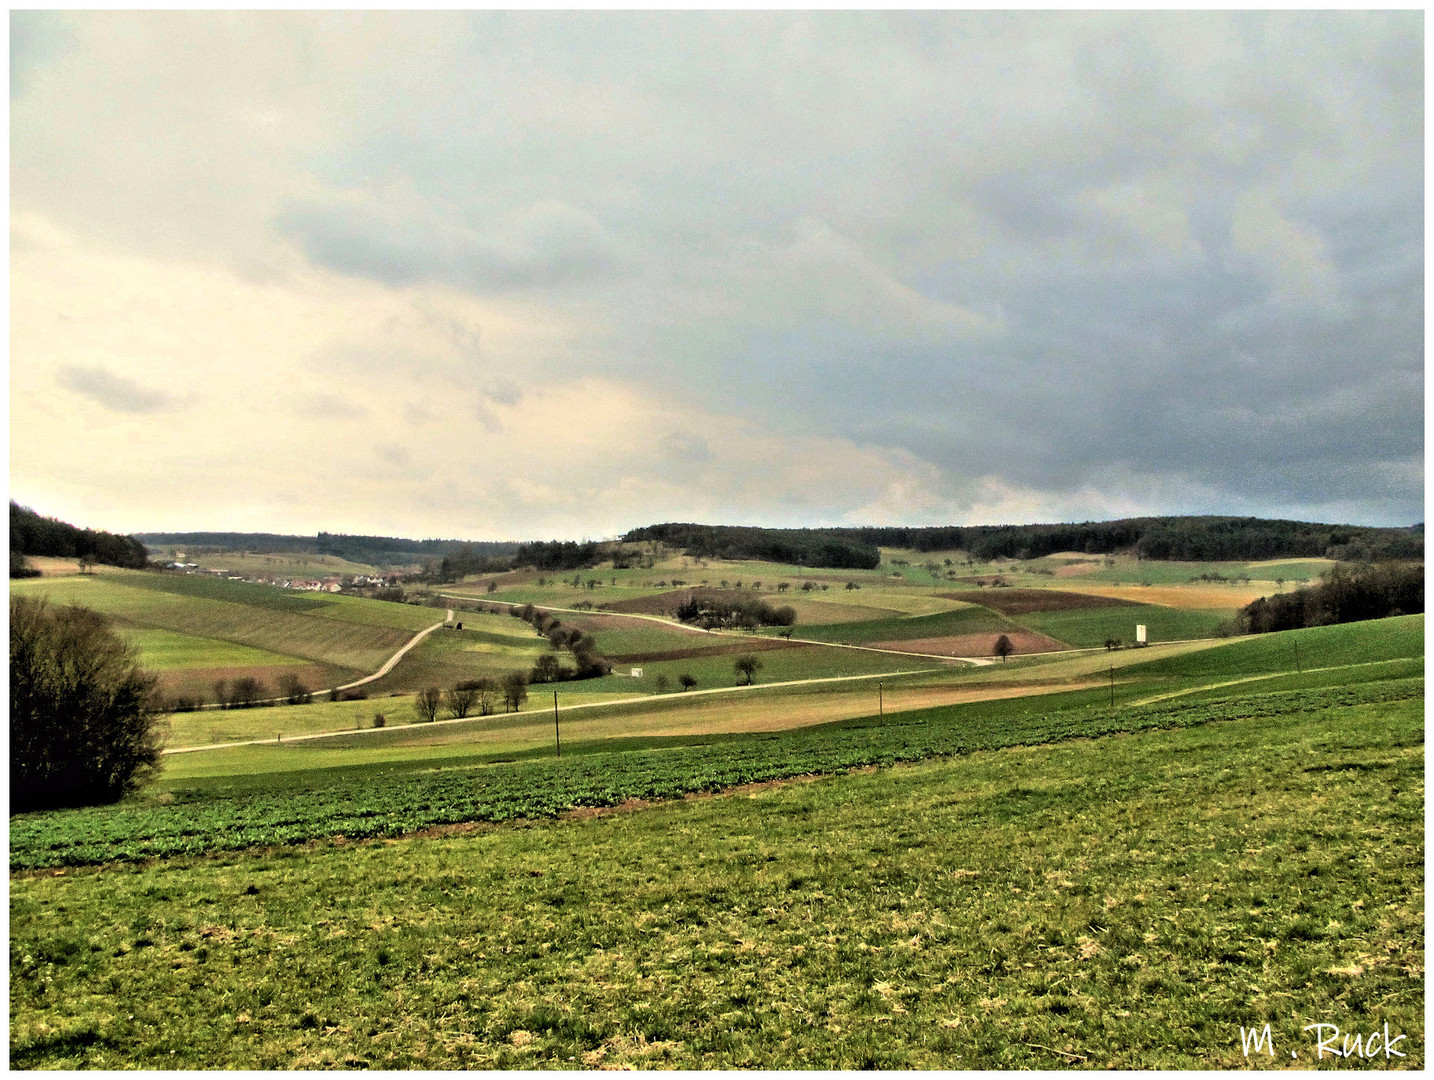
(557, 732)
(880, 705)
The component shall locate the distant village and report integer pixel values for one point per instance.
(333, 584)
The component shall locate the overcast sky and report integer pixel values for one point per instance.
(504, 276)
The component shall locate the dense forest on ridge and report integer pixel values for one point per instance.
(31, 534)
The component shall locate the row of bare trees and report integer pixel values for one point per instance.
(479, 697)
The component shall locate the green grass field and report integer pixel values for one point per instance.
(964, 620)
(278, 565)
(166, 650)
(1097, 860)
(1085, 628)
(1130, 901)
(330, 631)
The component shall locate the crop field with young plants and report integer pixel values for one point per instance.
(1030, 902)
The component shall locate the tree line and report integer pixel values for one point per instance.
(817, 548)
(473, 696)
(31, 534)
(369, 550)
(1341, 595)
(1192, 539)
(590, 664)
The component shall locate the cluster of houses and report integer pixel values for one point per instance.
(305, 585)
(333, 584)
(364, 581)
(195, 568)
(329, 584)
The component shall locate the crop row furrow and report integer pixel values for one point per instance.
(548, 788)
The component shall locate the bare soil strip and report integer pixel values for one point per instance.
(967, 645)
(1187, 597)
(1025, 601)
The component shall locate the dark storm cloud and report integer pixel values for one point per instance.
(115, 392)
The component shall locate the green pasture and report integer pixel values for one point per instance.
(828, 612)
(349, 633)
(1297, 571)
(636, 636)
(1119, 569)
(777, 665)
(560, 595)
(1084, 628)
(206, 726)
(905, 601)
(1121, 902)
(166, 650)
(715, 571)
(961, 620)
(405, 739)
(1398, 638)
(447, 657)
(1133, 571)
(324, 605)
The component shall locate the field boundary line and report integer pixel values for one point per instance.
(1268, 675)
(974, 661)
(644, 699)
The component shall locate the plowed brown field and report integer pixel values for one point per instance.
(1022, 642)
(1189, 597)
(199, 682)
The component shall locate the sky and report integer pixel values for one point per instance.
(506, 276)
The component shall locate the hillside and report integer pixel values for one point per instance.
(31, 534)
(1164, 538)
(368, 550)
(1191, 538)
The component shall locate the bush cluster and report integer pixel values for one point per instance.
(84, 717)
(1340, 596)
(711, 611)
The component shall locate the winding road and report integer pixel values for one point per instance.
(396, 657)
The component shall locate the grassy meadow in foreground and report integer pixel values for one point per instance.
(1125, 902)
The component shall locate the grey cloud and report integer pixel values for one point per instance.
(685, 448)
(486, 417)
(503, 392)
(399, 243)
(115, 392)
